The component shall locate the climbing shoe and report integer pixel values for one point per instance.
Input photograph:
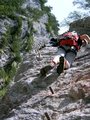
(60, 67)
(45, 70)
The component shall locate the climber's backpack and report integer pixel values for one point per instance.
(68, 39)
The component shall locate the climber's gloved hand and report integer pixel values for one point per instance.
(54, 42)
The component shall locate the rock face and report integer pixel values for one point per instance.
(40, 36)
(31, 3)
(29, 96)
(17, 32)
(81, 26)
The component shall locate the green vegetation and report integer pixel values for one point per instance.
(52, 24)
(3, 91)
(29, 39)
(35, 14)
(9, 7)
(42, 3)
(29, 42)
(11, 40)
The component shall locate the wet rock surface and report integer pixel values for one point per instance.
(29, 96)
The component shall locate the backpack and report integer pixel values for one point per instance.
(69, 39)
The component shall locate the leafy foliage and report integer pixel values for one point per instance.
(42, 2)
(35, 14)
(3, 91)
(52, 24)
(8, 7)
(12, 40)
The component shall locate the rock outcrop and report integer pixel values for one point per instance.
(21, 30)
(82, 26)
(30, 96)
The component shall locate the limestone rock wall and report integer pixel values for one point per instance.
(29, 96)
(16, 33)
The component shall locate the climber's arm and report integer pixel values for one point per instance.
(85, 39)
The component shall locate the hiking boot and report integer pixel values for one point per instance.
(45, 70)
(60, 67)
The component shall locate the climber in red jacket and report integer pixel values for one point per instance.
(68, 45)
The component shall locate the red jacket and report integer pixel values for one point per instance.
(70, 39)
